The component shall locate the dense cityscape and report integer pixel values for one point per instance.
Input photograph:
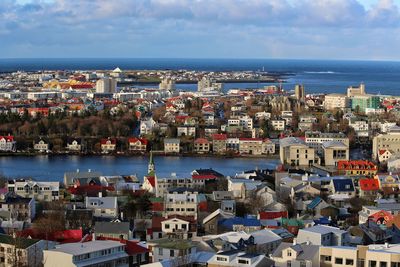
(331, 200)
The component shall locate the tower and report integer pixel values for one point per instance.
(299, 92)
(151, 167)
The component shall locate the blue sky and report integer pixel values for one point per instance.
(323, 29)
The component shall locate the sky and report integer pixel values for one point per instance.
(292, 29)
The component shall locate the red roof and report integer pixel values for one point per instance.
(269, 215)
(356, 165)
(152, 180)
(8, 138)
(369, 184)
(201, 141)
(104, 141)
(143, 141)
(382, 151)
(204, 177)
(66, 236)
(249, 139)
(219, 137)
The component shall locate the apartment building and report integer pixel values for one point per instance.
(92, 253)
(251, 146)
(334, 151)
(296, 152)
(202, 145)
(164, 184)
(166, 249)
(185, 204)
(172, 145)
(45, 191)
(390, 140)
(17, 207)
(103, 207)
(278, 125)
(315, 139)
(322, 235)
(336, 101)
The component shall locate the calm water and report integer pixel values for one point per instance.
(324, 76)
(52, 168)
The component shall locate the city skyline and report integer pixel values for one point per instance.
(362, 30)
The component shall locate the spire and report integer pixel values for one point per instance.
(151, 167)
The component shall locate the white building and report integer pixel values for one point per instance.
(106, 86)
(336, 101)
(92, 253)
(105, 207)
(47, 191)
(7, 143)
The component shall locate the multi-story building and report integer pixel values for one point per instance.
(185, 204)
(268, 147)
(334, 151)
(219, 143)
(167, 84)
(252, 146)
(362, 102)
(356, 90)
(357, 168)
(41, 145)
(278, 125)
(186, 130)
(17, 207)
(372, 256)
(7, 143)
(47, 191)
(361, 127)
(322, 235)
(390, 140)
(294, 151)
(293, 254)
(92, 253)
(166, 249)
(147, 126)
(172, 145)
(202, 145)
(315, 139)
(165, 184)
(137, 144)
(74, 145)
(336, 101)
(21, 251)
(106, 86)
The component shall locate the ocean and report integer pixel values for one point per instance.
(318, 76)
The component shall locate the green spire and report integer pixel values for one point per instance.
(151, 167)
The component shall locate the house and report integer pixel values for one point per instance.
(45, 191)
(219, 143)
(243, 188)
(369, 188)
(147, 126)
(334, 151)
(70, 177)
(108, 144)
(115, 230)
(341, 189)
(251, 146)
(357, 168)
(21, 251)
(278, 125)
(237, 258)
(179, 228)
(17, 207)
(202, 145)
(323, 235)
(166, 249)
(265, 242)
(171, 145)
(41, 145)
(103, 207)
(138, 144)
(268, 147)
(388, 181)
(74, 145)
(384, 155)
(296, 254)
(7, 143)
(246, 224)
(186, 130)
(101, 252)
(184, 204)
(210, 223)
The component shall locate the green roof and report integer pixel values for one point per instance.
(20, 242)
(292, 222)
(173, 243)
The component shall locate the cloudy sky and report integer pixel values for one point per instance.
(314, 29)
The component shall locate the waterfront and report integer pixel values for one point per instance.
(52, 168)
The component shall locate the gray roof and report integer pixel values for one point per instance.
(172, 140)
(112, 227)
(306, 252)
(289, 141)
(86, 247)
(333, 143)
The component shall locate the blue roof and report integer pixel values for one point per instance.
(314, 203)
(343, 185)
(322, 220)
(230, 222)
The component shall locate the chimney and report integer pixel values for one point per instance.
(74, 207)
(100, 194)
(294, 241)
(386, 245)
(93, 236)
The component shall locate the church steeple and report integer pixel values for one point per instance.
(151, 167)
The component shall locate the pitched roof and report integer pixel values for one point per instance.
(343, 185)
(369, 184)
(21, 241)
(112, 227)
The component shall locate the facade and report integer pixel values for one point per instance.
(219, 143)
(7, 143)
(186, 130)
(41, 146)
(336, 101)
(316, 139)
(184, 204)
(335, 151)
(92, 253)
(390, 140)
(202, 145)
(268, 147)
(174, 182)
(278, 125)
(147, 126)
(44, 191)
(168, 249)
(296, 255)
(322, 235)
(362, 102)
(251, 146)
(172, 145)
(106, 86)
(108, 145)
(103, 207)
(74, 145)
(17, 207)
(235, 258)
(357, 168)
(21, 251)
(138, 144)
(294, 151)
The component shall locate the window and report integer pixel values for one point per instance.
(303, 264)
(372, 264)
(221, 259)
(328, 258)
(160, 251)
(289, 253)
(171, 253)
(383, 264)
(166, 226)
(338, 260)
(289, 264)
(349, 262)
(243, 261)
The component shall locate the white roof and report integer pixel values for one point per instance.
(86, 247)
(264, 236)
(216, 213)
(389, 248)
